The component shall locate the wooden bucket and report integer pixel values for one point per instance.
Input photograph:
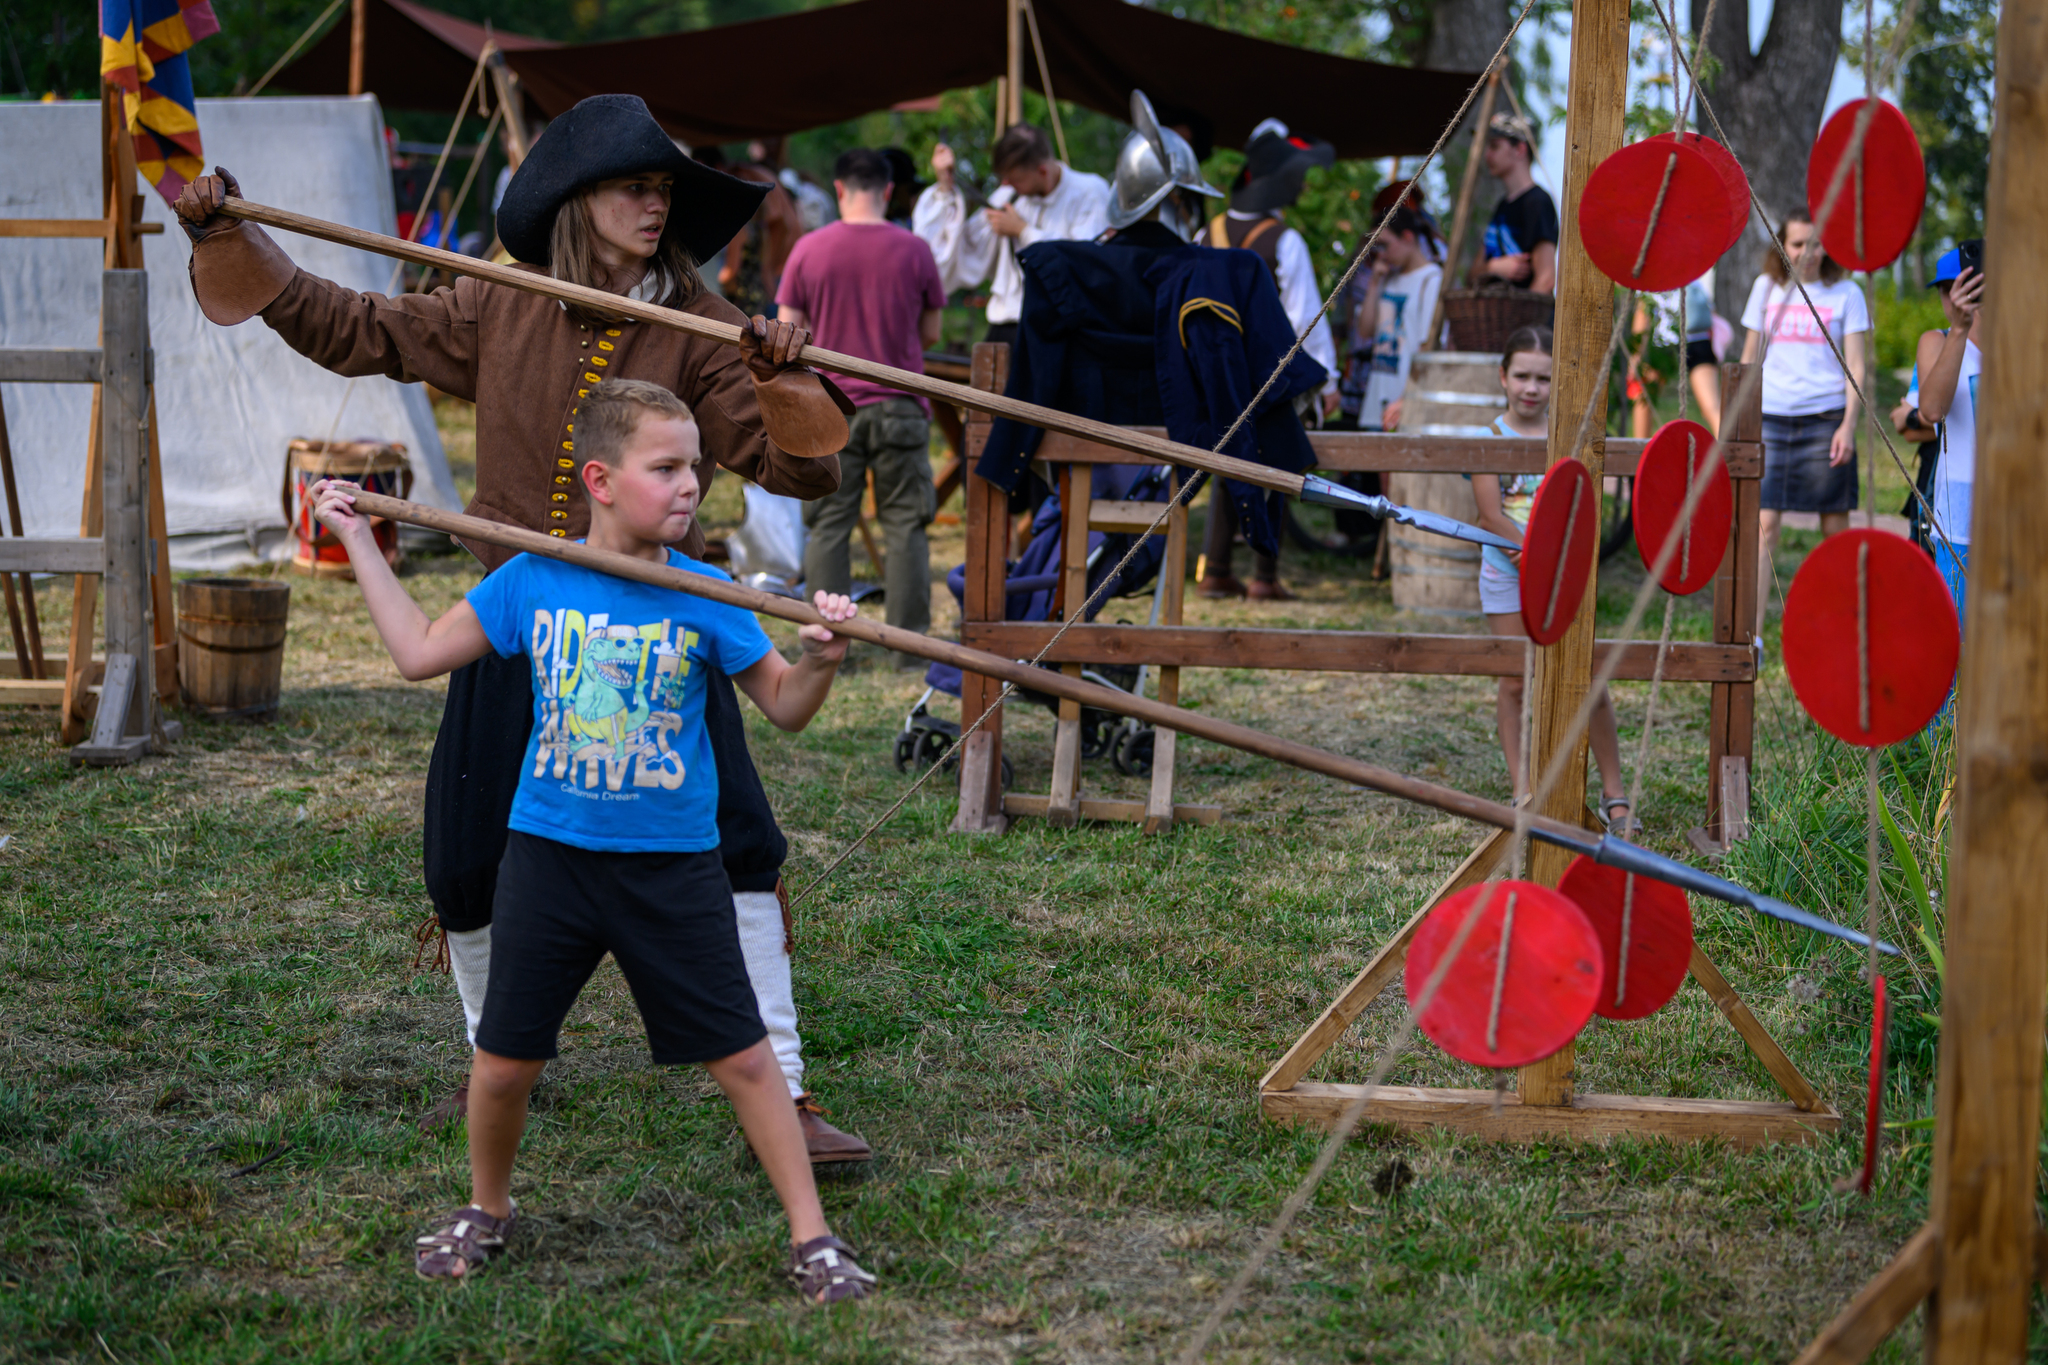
(1449, 393)
(231, 646)
(378, 466)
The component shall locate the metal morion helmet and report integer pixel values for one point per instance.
(1152, 163)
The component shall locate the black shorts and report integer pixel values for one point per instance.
(666, 917)
(1698, 353)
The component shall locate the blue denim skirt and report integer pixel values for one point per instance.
(1797, 475)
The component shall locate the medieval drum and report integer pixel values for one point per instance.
(377, 466)
(1450, 393)
(231, 646)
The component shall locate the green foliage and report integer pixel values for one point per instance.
(1945, 90)
(1900, 320)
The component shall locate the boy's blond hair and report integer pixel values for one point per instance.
(607, 419)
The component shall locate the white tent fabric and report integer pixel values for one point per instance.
(229, 399)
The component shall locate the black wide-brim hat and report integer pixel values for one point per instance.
(602, 138)
(1275, 167)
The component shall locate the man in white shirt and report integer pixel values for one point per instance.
(1041, 199)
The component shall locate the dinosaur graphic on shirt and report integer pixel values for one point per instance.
(611, 697)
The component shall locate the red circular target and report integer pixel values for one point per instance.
(1672, 460)
(1490, 1016)
(1732, 176)
(1659, 924)
(1870, 595)
(1692, 224)
(1880, 202)
(1557, 550)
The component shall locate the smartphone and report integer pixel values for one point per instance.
(1970, 254)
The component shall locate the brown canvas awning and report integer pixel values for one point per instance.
(415, 57)
(800, 71)
(785, 75)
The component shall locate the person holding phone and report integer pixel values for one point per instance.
(1950, 363)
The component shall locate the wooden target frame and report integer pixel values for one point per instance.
(1545, 1103)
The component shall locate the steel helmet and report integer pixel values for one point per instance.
(1151, 164)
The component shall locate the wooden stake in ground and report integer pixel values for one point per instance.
(1978, 1251)
(1585, 321)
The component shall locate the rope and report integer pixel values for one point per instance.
(1571, 523)
(293, 50)
(1181, 495)
(1500, 975)
(1045, 77)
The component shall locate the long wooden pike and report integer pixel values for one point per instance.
(1305, 487)
(1604, 849)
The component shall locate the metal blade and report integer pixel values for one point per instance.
(1327, 493)
(1450, 526)
(1614, 852)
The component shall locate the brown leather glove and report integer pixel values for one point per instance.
(770, 348)
(198, 206)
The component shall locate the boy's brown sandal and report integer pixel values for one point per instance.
(465, 1238)
(824, 1272)
(824, 1142)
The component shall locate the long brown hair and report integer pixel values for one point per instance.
(572, 258)
(1774, 261)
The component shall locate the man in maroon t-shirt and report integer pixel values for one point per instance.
(869, 288)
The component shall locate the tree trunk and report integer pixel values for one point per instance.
(1770, 103)
(1463, 36)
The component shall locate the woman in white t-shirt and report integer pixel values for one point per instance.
(1809, 404)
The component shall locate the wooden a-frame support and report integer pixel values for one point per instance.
(1545, 1103)
(1284, 1096)
(1976, 1260)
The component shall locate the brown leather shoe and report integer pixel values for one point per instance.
(1218, 586)
(826, 1143)
(453, 1107)
(1262, 591)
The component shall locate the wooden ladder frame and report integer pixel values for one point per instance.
(121, 228)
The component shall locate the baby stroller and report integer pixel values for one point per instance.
(1030, 585)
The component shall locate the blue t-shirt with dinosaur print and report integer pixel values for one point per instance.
(619, 760)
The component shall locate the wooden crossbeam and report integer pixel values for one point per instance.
(1344, 651)
(72, 227)
(75, 554)
(49, 365)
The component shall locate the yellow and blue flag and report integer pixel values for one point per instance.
(142, 50)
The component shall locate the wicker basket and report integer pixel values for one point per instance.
(1484, 319)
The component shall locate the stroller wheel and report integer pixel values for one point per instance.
(904, 749)
(1098, 733)
(932, 746)
(1133, 750)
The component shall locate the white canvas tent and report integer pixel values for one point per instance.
(229, 399)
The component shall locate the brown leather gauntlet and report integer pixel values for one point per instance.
(238, 272)
(803, 412)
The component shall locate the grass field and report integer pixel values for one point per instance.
(1052, 1038)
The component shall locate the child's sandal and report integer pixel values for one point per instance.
(824, 1272)
(1626, 826)
(465, 1238)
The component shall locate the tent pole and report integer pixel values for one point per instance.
(358, 30)
(1013, 110)
(1052, 105)
(1462, 214)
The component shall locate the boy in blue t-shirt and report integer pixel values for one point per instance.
(614, 827)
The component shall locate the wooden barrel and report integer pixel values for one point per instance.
(1449, 393)
(231, 650)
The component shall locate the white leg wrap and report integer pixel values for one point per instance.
(761, 940)
(469, 956)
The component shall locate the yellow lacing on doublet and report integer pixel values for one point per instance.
(1216, 306)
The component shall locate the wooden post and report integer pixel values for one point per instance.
(1461, 215)
(1013, 90)
(1731, 714)
(1585, 319)
(124, 415)
(988, 542)
(1988, 1100)
(358, 36)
